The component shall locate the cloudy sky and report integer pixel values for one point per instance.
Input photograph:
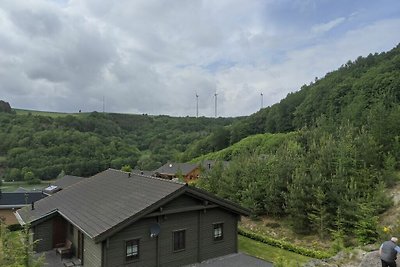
(154, 56)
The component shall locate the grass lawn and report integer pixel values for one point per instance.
(270, 253)
(12, 186)
(46, 113)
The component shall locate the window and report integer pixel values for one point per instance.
(132, 250)
(218, 231)
(179, 240)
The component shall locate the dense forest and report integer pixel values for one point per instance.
(327, 156)
(41, 146)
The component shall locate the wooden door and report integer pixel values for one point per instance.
(59, 231)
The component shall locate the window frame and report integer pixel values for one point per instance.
(132, 257)
(180, 248)
(220, 237)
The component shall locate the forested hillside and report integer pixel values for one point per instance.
(357, 92)
(337, 153)
(85, 144)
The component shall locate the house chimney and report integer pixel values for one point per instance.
(209, 166)
(129, 174)
(32, 205)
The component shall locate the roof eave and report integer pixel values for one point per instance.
(184, 189)
(220, 201)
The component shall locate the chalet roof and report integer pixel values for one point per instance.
(172, 168)
(111, 200)
(140, 172)
(67, 180)
(61, 183)
(19, 199)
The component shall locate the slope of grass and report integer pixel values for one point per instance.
(12, 186)
(45, 113)
(270, 253)
(255, 143)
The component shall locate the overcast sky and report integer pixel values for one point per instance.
(154, 56)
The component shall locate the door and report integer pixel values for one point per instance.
(59, 231)
(80, 246)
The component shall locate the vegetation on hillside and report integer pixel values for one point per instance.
(330, 174)
(350, 94)
(84, 145)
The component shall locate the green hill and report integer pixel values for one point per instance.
(323, 158)
(83, 144)
(368, 88)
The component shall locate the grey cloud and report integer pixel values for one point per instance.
(151, 56)
(36, 23)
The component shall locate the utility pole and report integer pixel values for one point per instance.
(197, 105)
(215, 96)
(262, 101)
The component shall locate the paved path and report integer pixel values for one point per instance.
(233, 260)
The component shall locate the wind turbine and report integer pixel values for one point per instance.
(215, 97)
(197, 105)
(262, 100)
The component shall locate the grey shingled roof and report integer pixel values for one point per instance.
(101, 202)
(172, 168)
(18, 199)
(67, 180)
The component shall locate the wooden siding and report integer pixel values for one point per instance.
(199, 240)
(173, 222)
(192, 176)
(115, 252)
(43, 232)
(211, 248)
(92, 253)
(73, 238)
(182, 201)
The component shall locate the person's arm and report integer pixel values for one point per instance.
(380, 250)
(397, 248)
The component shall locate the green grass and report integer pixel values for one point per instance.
(12, 186)
(270, 253)
(45, 113)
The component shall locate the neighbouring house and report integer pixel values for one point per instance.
(10, 202)
(116, 218)
(141, 172)
(170, 170)
(61, 183)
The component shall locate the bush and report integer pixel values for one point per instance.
(285, 245)
(14, 227)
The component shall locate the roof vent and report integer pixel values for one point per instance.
(32, 205)
(170, 165)
(129, 174)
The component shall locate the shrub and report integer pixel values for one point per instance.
(285, 245)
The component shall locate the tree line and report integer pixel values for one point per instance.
(40, 147)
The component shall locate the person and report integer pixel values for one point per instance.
(388, 252)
